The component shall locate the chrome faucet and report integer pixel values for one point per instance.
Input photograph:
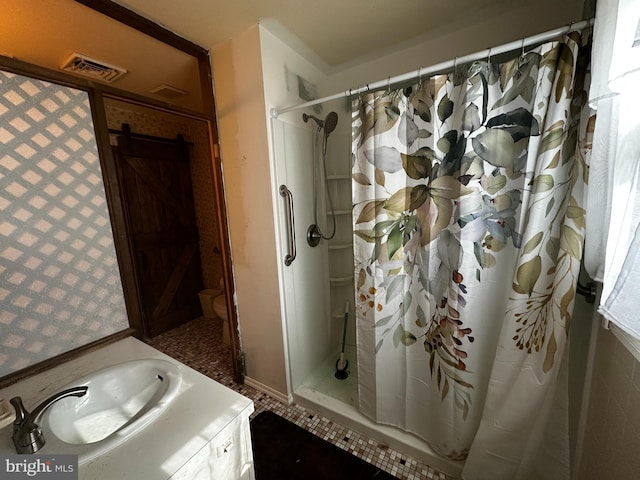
(27, 434)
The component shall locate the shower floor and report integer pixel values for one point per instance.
(324, 380)
(338, 399)
(199, 345)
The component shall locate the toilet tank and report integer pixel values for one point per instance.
(206, 301)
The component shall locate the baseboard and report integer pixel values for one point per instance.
(268, 390)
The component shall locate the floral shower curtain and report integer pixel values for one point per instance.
(468, 226)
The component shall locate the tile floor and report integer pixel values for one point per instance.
(199, 345)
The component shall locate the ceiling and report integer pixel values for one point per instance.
(45, 33)
(338, 31)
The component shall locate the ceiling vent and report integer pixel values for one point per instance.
(168, 91)
(91, 68)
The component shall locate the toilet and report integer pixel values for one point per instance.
(220, 307)
(214, 304)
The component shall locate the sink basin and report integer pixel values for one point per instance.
(120, 401)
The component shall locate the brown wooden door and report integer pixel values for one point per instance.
(156, 189)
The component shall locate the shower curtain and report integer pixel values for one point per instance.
(468, 226)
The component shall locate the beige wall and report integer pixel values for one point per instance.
(238, 86)
(611, 446)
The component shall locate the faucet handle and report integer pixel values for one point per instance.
(21, 412)
(27, 435)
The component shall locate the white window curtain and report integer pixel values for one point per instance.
(612, 247)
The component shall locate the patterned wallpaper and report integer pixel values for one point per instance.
(59, 280)
(152, 122)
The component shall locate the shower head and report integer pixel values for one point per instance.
(330, 123)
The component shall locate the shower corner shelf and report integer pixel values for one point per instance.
(340, 246)
(339, 177)
(342, 211)
(341, 281)
(338, 314)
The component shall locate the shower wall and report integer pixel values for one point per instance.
(319, 282)
(340, 248)
(308, 338)
(315, 287)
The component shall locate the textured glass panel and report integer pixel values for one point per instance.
(59, 280)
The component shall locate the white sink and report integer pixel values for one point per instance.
(120, 400)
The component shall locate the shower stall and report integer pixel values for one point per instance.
(318, 284)
(313, 163)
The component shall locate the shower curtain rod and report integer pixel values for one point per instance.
(507, 47)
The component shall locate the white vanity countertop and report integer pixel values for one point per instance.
(201, 409)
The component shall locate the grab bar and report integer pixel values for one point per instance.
(291, 256)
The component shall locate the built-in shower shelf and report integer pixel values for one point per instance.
(339, 177)
(340, 246)
(340, 212)
(341, 281)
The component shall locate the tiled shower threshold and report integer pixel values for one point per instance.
(199, 345)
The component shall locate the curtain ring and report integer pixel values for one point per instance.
(455, 66)
(489, 56)
(388, 85)
(522, 54)
(419, 77)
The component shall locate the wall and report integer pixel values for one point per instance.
(244, 150)
(463, 35)
(612, 435)
(153, 122)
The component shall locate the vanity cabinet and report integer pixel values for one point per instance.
(203, 433)
(228, 456)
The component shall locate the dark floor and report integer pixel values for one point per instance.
(199, 345)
